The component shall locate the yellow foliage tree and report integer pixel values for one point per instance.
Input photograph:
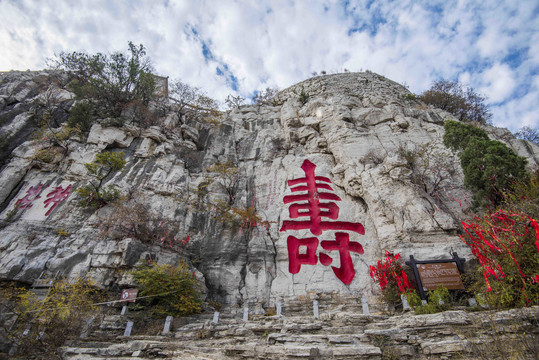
(40, 327)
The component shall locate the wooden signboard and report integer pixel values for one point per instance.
(430, 274)
(440, 274)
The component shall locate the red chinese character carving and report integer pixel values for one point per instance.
(309, 205)
(343, 244)
(295, 259)
(55, 197)
(31, 195)
(313, 206)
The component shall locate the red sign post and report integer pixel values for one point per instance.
(129, 295)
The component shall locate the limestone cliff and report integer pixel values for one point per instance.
(382, 155)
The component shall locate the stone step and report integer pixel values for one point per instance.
(92, 357)
(91, 343)
(308, 352)
(321, 339)
(335, 335)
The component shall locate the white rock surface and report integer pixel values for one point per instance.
(352, 128)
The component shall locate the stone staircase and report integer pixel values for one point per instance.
(342, 332)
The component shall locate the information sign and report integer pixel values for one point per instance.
(434, 275)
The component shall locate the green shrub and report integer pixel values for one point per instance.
(489, 166)
(303, 96)
(51, 137)
(413, 298)
(175, 286)
(82, 116)
(437, 300)
(458, 135)
(47, 155)
(95, 195)
(91, 197)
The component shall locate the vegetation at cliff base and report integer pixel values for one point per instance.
(40, 327)
(174, 285)
(389, 274)
(506, 245)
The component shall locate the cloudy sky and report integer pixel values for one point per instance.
(238, 47)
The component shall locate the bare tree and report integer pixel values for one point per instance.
(265, 97)
(234, 102)
(464, 103)
(529, 134)
(192, 103)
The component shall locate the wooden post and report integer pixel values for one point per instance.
(412, 263)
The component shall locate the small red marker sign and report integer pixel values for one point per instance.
(129, 295)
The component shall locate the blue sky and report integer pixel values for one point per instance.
(239, 47)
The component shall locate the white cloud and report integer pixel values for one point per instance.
(499, 83)
(491, 45)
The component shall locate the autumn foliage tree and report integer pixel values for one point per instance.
(42, 326)
(135, 219)
(228, 176)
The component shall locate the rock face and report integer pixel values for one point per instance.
(390, 182)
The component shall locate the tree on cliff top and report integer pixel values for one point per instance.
(464, 103)
(193, 104)
(114, 80)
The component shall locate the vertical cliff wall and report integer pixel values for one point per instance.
(343, 142)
